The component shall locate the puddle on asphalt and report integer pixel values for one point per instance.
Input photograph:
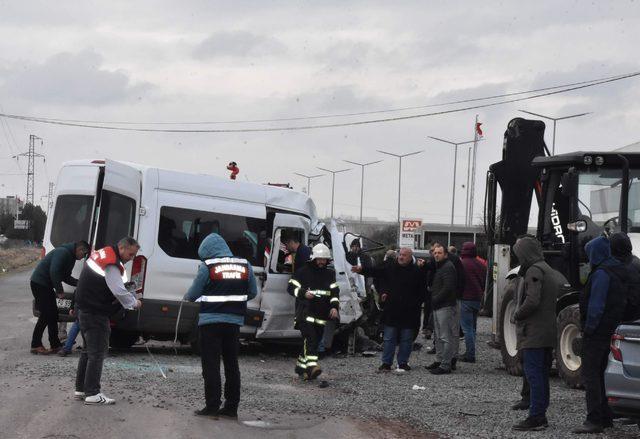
(258, 424)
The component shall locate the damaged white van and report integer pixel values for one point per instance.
(169, 213)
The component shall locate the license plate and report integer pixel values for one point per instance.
(63, 303)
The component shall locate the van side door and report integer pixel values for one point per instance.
(278, 306)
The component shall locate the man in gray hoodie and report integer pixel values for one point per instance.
(535, 320)
(223, 286)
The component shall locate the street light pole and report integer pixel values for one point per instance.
(362, 165)
(309, 177)
(400, 157)
(555, 119)
(455, 168)
(333, 183)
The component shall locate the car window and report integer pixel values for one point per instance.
(181, 231)
(117, 218)
(71, 219)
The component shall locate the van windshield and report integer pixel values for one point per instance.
(71, 219)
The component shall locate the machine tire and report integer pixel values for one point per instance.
(568, 361)
(511, 357)
(120, 339)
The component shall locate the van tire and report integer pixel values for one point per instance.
(120, 339)
(511, 357)
(568, 355)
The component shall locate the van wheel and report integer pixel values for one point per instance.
(120, 339)
(568, 359)
(507, 335)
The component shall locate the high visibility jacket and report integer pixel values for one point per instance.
(92, 293)
(326, 293)
(228, 286)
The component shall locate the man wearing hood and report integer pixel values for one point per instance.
(318, 300)
(46, 283)
(535, 320)
(475, 277)
(602, 307)
(621, 249)
(223, 286)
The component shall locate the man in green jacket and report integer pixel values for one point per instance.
(535, 320)
(46, 283)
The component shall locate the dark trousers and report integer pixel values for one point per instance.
(595, 355)
(220, 339)
(46, 304)
(95, 331)
(537, 364)
(311, 336)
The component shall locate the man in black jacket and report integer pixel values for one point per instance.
(318, 300)
(405, 286)
(446, 319)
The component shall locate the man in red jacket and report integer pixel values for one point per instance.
(475, 273)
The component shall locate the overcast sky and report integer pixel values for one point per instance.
(157, 61)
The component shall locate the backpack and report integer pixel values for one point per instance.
(632, 293)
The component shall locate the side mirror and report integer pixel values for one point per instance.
(569, 182)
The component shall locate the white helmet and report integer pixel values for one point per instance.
(320, 251)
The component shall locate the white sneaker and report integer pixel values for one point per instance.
(398, 370)
(78, 396)
(99, 399)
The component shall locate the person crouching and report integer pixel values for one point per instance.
(317, 293)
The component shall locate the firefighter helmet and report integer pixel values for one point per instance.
(320, 251)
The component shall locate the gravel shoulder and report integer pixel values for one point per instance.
(471, 403)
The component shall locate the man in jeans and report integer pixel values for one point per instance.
(475, 277)
(405, 285)
(46, 284)
(535, 320)
(222, 286)
(445, 313)
(101, 293)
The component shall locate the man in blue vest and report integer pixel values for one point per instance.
(223, 286)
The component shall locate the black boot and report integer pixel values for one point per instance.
(521, 405)
(227, 412)
(207, 411)
(532, 423)
(588, 427)
(434, 365)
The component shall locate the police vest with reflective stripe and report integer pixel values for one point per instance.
(92, 293)
(228, 286)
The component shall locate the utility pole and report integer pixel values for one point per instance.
(400, 157)
(362, 165)
(555, 120)
(333, 183)
(31, 156)
(466, 221)
(476, 137)
(309, 178)
(455, 169)
(50, 197)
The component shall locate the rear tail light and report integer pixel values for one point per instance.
(616, 339)
(138, 273)
(43, 252)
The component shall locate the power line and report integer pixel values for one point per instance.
(312, 127)
(330, 116)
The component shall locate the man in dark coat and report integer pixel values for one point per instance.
(535, 320)
(446, 319)
(475, 277)
(621, 249)
(602, 308)
(46, 284)
(405, 284)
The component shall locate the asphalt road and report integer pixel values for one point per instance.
(36, 401)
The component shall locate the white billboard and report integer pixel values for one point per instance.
(407, 227)
(21, 224)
